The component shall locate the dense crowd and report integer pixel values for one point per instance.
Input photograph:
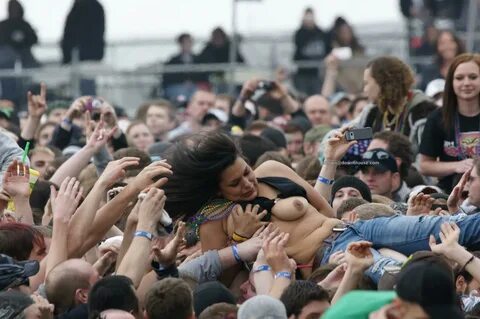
(293, 199)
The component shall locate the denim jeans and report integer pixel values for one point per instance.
(405, 234)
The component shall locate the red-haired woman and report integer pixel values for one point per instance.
(451, 138)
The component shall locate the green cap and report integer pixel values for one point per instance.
(317, 133)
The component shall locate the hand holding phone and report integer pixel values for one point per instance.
(359, 134)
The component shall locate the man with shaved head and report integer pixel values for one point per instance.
(317, 109)
(67, 286)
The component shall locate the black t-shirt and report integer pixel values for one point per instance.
(438, 143)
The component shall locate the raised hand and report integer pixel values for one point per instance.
(247, 222)
(37, 104)
(420, 204)
(109, 114)
(275, 254)
(337, 146)
(249, 249)
(115, 170)
(100, 136)
(248, 88)
(16, 180)
(334, 278)
(66, 200)
(105, 262)
(146, 178)
(40, 309)
(150, 210)
(449, 235)
(358, 255)
(455, 199)
(167, 255)
(337, 258)
(77, 108)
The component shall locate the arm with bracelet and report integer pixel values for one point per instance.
(135, 263)
(281, 266)
(336, 146)
(451, 249)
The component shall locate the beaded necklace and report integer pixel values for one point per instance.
(214, 209)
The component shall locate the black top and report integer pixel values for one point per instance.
(312, 45)
(286, 189)
(438, 143)
(84, 30)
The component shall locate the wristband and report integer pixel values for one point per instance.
(283, 274)
(145, 234)
(236, 254)
(325, 180)
(262, 268)
(236, 237)
(466, 264)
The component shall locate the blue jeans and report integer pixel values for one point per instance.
(405, 234)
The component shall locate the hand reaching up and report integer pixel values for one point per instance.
(37, 104)
(16, 180)
(358, 255)
(275, 254)
(167, 255)
(115, 170)
(455, 199)
(420, 204)
(66, 200)
(100, 136)
(147, 176)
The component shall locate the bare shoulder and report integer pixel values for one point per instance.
(272, 168)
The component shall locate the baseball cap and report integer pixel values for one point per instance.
(380, 159)
(15, 273)
(434, 87)
(215, 114)
(431, 286)
(317, 133)
(338, 97)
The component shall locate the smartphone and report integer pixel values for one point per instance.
(359, 134)
(343, 53)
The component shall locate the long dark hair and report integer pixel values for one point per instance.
(450, 102)
(460, 47)
(197, 163)
(354, 44)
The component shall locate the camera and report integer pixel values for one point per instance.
(265, 85)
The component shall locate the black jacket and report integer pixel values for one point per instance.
(311, 45)
(84, 29)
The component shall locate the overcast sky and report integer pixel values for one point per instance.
(133, 19)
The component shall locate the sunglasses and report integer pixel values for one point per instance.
(379, 154)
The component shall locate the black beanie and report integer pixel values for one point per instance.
(351, 181)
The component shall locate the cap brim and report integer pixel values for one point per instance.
(444, 311)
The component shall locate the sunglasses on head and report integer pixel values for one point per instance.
(379, 154)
